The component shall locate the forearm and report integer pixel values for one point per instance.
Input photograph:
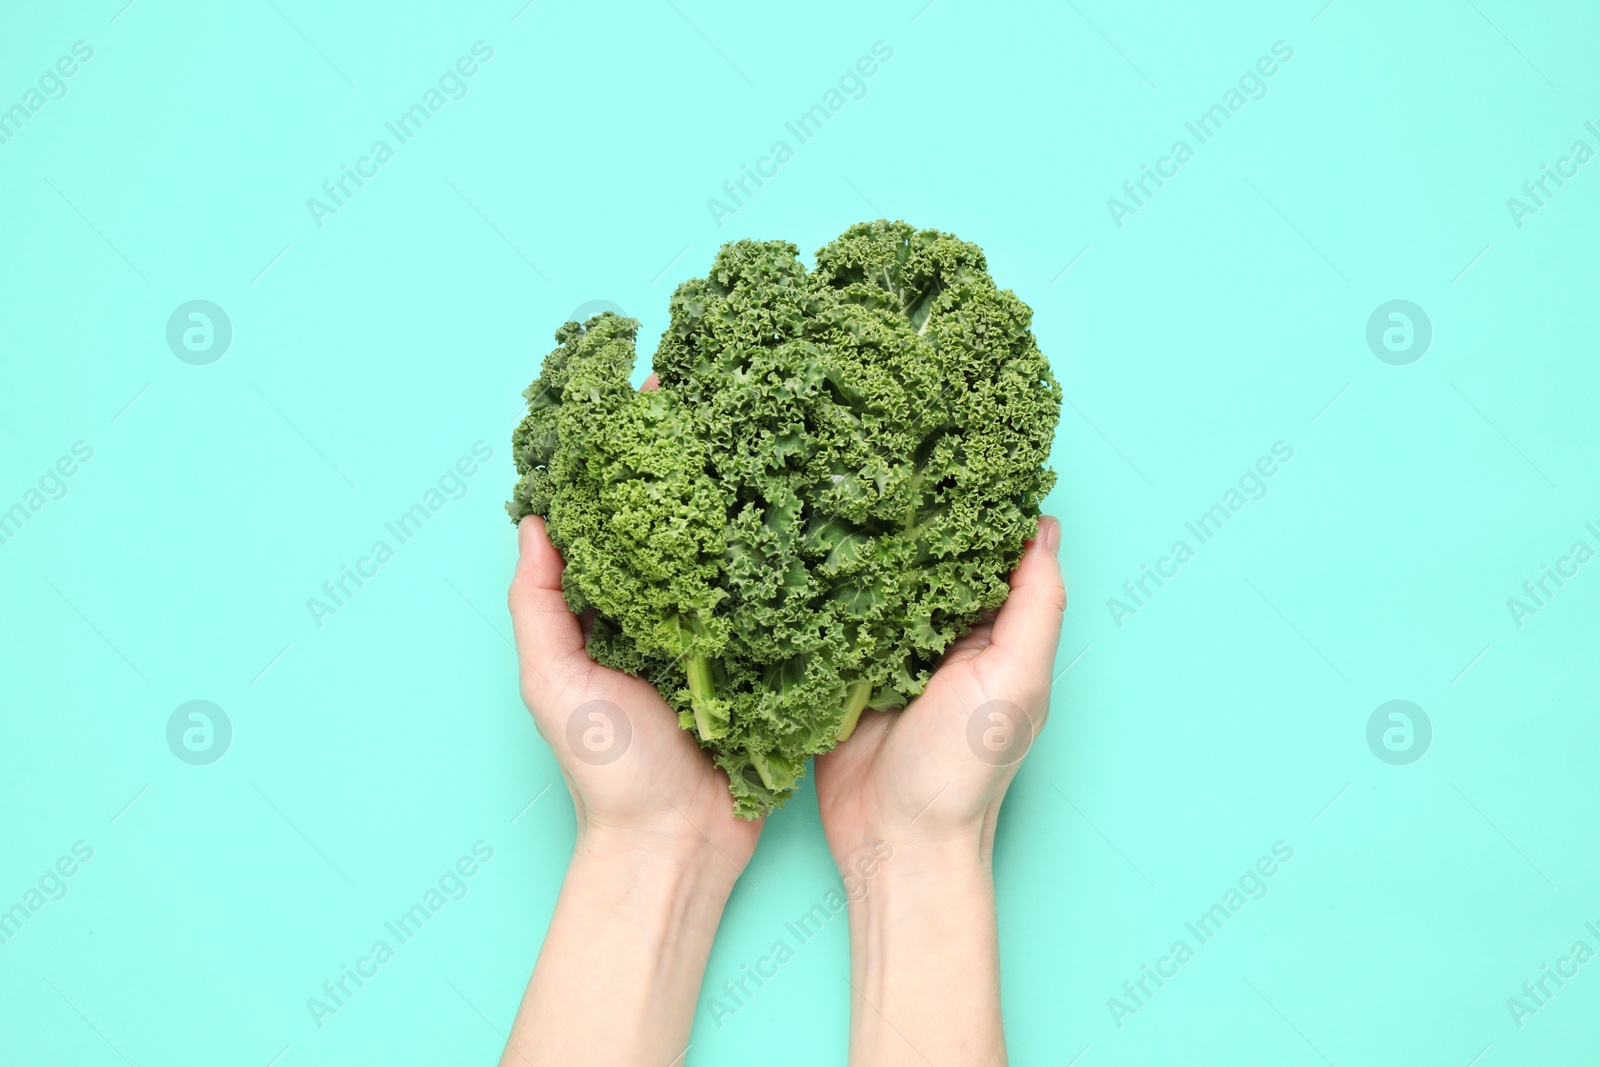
(925, 965)
(619, 972)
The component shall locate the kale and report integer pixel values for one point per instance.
(831, 484)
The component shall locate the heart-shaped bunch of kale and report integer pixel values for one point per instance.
(833, 481)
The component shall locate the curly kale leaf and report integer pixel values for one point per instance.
(620, 477)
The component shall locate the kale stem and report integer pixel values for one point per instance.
(759, 762)
(703, 696)
(855, 702)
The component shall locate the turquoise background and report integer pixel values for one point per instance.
(1229, 313)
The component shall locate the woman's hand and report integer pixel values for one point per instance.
(924, 786)
(933, 775)
(637, 780)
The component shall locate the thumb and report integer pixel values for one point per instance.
(1028, 626)
(548, 634)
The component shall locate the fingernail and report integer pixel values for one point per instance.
(1052, 536)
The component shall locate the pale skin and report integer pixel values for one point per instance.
(658, 849)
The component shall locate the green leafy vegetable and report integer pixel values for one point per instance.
(832, 483)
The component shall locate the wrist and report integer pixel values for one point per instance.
(663, 866)
(918, 883)
(915, 854)
(924, 952)
(621, 963)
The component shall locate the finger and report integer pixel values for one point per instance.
(549, 638)
(1029, 624)
(652, 382)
